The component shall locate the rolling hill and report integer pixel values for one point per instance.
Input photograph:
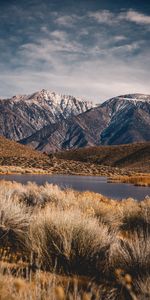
(16, 158)
(102, 160)
(123, 156)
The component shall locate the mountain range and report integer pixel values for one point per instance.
(48, 122)
(22, 116)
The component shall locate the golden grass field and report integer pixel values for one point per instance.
(68, 245)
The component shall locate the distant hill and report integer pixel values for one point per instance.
(13, 153)
(104, 160)
(10, 148)
(123, 156)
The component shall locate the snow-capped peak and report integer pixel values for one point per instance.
(122, 102)
(51, 98)
(56, 98)
(45, 107)
(135, 97)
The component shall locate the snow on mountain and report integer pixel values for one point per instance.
(120, 120)
(122, 102)
(57, 103)
(129, 119)
(48, 121)
(22, 115)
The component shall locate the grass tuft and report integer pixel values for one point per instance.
(62, 244)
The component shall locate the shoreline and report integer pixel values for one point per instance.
(121, 176)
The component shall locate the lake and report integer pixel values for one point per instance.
(96, 184)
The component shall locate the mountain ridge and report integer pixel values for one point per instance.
(112, 122)
(52, 122)
(29, 113)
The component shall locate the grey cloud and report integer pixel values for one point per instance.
(109, 18)
(110, 77)
(135, 17)
(75, 52)
(65, 20)
(103, 17)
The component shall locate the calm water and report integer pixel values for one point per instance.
(82, 183)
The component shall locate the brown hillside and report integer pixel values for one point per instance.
(94, 161)
(125, 156)
(15, 154)
(10, 148)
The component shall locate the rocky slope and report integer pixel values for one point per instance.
(129, 120)
(48, 122)
(22, 116)
(120, 120)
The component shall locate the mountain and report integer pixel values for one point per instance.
(129, 120)
(78, 131)
(48, 122)
(22, 116)
(120, 120)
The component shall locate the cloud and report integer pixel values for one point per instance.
(103, 16)
(64, 21)
(110, 18)
(127, 48)
(109, 78)
(75, 52)
(136, 17)
(67, 20)
(119, 38)
(59, 46)
(46, 48)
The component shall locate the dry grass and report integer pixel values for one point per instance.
(16, 158)
(50, 237)
(139, 180)
(135, 156)
(14, 221)
(71, 242)
(50, 286)
(22, 170)
(132, 255)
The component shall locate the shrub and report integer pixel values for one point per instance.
(132, 256)
(14, 223)
(71, 242)
(142, 287)
(136, 218)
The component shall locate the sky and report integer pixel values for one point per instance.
(86, 48)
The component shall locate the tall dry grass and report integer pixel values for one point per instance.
(71, 242)
(14, 221)
(137, 179)
(131, 255)
(71, 233)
